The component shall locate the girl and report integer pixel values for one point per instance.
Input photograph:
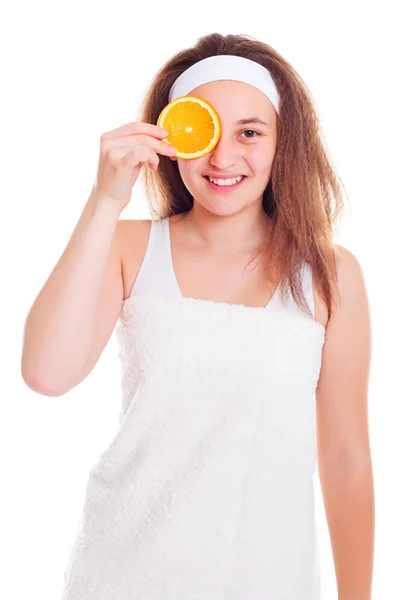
(235, 310)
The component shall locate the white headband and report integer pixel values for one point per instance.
(223, 67)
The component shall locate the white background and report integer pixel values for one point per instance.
(72, 71)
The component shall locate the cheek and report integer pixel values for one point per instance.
(259, 158)
(188, 169)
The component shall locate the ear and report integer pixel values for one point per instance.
(172, 157)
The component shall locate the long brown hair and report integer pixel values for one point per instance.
(304, 196)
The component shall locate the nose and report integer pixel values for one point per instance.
(225, 153)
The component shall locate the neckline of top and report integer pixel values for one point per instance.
(240, 308)
(171, 264)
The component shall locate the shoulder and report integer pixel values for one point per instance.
(351, 281)
(346, 260)
(133, 237)
(350, 291)
(131, 231)
(348, 332)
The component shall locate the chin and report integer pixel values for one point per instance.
(223, 207)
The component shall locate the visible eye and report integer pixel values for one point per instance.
(251, 131)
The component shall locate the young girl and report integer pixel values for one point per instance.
(231, 305)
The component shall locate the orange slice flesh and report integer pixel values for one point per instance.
(193, 124)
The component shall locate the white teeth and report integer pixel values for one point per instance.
(225, 182)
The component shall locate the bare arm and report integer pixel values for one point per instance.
(75, 312)
(60, 325)
(344, 456)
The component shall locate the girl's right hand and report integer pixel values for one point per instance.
(123, 152)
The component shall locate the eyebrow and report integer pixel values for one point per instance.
(253, 120)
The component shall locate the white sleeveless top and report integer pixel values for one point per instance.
(206, 490)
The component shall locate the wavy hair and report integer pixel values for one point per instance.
(304, 196)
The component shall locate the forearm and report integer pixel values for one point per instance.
(350, 511)
(59, 327)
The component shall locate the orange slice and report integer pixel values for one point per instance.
(193, 124)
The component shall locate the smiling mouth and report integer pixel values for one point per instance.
(228, 182)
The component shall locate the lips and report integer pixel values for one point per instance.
(224, 178)
(227, 187)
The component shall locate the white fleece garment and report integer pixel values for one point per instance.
(206, 491)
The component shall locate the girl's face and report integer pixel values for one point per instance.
(246, 148)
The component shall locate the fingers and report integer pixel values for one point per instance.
(132, 157)
(147, 155)
(123, 152)
(135, 140)
(136, 128)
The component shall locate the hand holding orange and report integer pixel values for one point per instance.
(193, 124)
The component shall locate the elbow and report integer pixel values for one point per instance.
(40, 387)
